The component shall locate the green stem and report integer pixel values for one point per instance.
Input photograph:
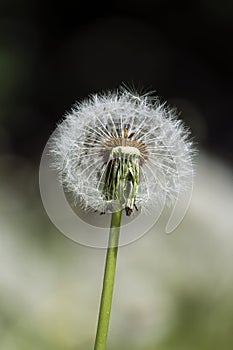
(108, 283)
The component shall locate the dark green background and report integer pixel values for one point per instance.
(52, 54)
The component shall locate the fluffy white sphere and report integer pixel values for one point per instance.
(96, 130)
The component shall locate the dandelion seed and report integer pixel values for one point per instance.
(122, 147)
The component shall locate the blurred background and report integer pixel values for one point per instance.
(172, 292)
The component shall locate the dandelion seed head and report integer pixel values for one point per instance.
(123, 146)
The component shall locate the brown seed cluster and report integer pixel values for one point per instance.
(125, 140)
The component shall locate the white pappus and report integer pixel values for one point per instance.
(125, 148)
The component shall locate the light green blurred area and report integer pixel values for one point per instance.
(173, 292)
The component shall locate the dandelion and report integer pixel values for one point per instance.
(121, 151)
(122, 147)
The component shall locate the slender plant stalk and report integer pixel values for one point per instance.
(108, 283)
